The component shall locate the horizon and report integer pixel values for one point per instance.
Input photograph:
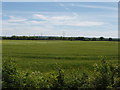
(54, 18)
(57, 36)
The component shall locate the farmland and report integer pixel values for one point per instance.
(60, 64)
(44, 55)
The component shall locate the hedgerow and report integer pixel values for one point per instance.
(105, 75)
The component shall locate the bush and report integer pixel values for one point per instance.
(105, 75)
(12, 77)
(9, 73)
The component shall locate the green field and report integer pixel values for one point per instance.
(45, 55)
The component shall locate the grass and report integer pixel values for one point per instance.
(43, 55)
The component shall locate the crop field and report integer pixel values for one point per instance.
(46, 55)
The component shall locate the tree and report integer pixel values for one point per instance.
(14, 37)
(80, 38)
(110, 39)
(101, 38)
(93, 39)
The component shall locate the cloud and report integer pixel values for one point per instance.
(79, 23)
(50, 18)
(13, 20)
(36, 23)
(62, 18)
(51, 21)
(68, 20)
(39, 16)
(30, 26)
(16, 19)
(52, 31)
(86, 23)
(65, 20)
(93, 6)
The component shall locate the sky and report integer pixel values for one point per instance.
(60, 0)
(88, 19)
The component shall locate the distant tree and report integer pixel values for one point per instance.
(14, 37)
(101, 38)
(80, 38)
(94, 39)
(87, 39)
(110, 39)
(71, 38)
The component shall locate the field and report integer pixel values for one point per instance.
(45, 56)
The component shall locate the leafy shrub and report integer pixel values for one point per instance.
(79, 82)
(9, 72)
(12, 77)
(105, 75)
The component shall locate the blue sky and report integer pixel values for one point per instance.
(90, 19)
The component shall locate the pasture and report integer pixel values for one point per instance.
(46, 55)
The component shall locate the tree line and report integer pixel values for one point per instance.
(58, 38)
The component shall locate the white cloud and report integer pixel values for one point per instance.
(75, 14)
(43, 17)
(65, 20)
(47, 27)
(97, 7)
(75, 22)
(33, 22)
(81, 24)
(52, 21)
(52, 31)
(16, 19)
(39, 16)
(89, 23)
(62, 18)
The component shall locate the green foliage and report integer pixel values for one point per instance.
(101, 38)
(77, 57)
(79, 82)
(106, 75)
(12, 77)
(9, 71)
(57, 38)
(15, 78)
(110, 39)
(94, 39)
